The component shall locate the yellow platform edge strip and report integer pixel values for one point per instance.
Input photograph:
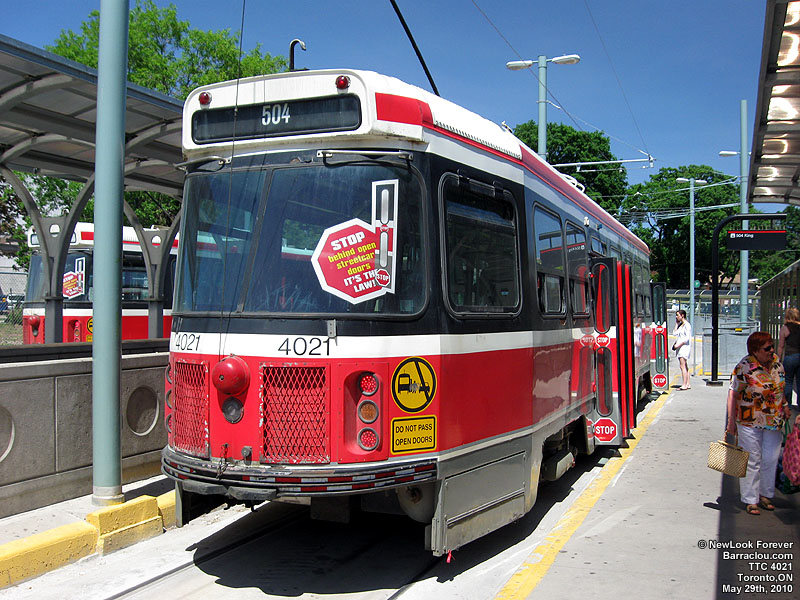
(528, 576)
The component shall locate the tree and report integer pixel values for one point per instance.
(166, 54)
(605, 184)
(658, 212)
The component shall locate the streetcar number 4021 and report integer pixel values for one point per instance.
(306, 346)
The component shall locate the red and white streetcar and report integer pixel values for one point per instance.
(78, 289)
(385, 300)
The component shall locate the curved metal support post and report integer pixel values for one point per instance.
(51, 232)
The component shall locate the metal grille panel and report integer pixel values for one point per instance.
(190, 415)
(294, 414)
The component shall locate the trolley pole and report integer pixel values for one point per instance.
(109, 165)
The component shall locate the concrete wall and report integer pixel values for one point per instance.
(46, 427)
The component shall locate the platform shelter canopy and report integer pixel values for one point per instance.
(775, 156)
(48, 114)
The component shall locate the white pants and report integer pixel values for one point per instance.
(764, 446)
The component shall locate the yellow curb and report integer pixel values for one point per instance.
(103, 531)
(43, 552)
(166, 507)
(120, 516)
(523, 582)
(127, 536)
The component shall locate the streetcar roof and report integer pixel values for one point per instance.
(83, 237)
(390, 109)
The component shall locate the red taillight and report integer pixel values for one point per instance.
(368, 384)
(204, 98)
(368, 439)
(342, 82)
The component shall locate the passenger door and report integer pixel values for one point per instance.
(612, 287)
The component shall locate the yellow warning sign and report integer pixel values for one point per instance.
(411, 434)
(90, 325)
(413, 384)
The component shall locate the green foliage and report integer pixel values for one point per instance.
(605, 184)
(658, 212)
(166, 54)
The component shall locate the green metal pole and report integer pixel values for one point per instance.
(109, 163)
(745, 255)
(542, 129)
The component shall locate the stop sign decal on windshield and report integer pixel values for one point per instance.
(355, 260)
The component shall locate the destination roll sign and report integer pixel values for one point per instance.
(292, 117)
(754, 239)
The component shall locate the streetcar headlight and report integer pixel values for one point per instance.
(368, 439)
(368, 411)
(231, 375)
(232, 410)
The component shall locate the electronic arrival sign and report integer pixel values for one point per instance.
(754, 239)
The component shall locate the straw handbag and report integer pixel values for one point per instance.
(729, 459)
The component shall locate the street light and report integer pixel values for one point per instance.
(692, 182)
(744, 255)
(518, 65)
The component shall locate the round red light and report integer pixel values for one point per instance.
(231, 375)
(368, 384)
(35, 321)
(342, 82)
(204, 98)
(368, 439)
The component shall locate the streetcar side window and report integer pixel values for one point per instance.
(578, 267)
(599, 248)
(481, 246)
(549, 244)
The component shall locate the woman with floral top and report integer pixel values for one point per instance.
(756, 411)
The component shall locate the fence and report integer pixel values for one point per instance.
(12, 295)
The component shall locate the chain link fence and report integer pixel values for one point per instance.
(12, 295)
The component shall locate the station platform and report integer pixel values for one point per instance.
(659, 523)
(654, 521)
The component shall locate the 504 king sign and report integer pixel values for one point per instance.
(355, 260)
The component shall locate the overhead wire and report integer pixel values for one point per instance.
(616, 76)
(558, 104)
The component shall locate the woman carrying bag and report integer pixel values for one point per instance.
(757, 409)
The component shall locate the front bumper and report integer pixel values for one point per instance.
(250, 481)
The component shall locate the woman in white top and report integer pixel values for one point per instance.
(683, 346)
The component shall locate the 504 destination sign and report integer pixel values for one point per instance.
(291, 117)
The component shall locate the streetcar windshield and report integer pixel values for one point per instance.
(317, 239)
(78, 281)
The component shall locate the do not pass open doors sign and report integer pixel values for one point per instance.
(356, 260)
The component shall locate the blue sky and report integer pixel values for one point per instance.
(659, 77)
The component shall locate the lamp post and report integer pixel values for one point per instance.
(518, 65)
(692, 182)
(744, 255)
